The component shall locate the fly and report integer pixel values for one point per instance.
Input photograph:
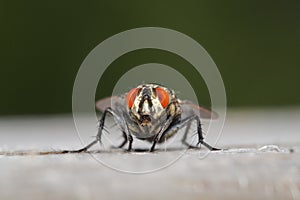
(153, 113)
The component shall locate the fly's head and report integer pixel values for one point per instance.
(148, 103)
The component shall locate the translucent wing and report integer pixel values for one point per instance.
(189, 107)
(115, 102)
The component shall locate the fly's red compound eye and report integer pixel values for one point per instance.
(163, 96)
(131, 95)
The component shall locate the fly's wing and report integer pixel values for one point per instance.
(189, 107)
(115, 102)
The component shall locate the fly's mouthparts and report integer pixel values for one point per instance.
(145, 118)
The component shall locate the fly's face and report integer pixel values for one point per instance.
(148, 103)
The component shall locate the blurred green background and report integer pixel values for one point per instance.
(255, 44)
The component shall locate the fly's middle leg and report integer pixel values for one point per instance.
(187, 122)
(124, 141)
(184, 138)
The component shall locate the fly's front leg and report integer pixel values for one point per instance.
(100, 129)
(161, 133)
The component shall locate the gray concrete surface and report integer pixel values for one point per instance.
(262, 161)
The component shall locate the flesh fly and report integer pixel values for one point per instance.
(153, 113)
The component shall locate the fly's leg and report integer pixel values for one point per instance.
(187, 122)
(101, 127)
(161, 133)
(183, 140)
(130, 139)
(124, 141)
(82, 149)
(200, 136)
(154, 143)
(127, 138)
